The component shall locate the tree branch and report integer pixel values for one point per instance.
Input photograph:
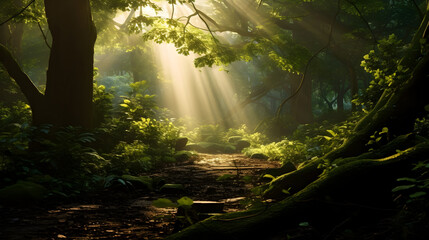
(418, 9)
(18, 13)
(43, 34)
(363, 19)
(279, 109)
(204, 21)
(27, 87)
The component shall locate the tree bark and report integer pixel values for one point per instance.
(300, 105)
(70, 73)
(68, 95)
(352, 190)
(30, 91)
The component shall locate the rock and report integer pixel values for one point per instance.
(194, 147)
(229, 149)
(259, 156)
(285, 168)
(234, 139)
(182, 155)
(141, 182)
(172, 188)
(181, 143)
(22, 193)
(241, 144)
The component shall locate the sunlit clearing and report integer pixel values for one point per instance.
(205, 95)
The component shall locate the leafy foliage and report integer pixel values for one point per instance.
(309, 141)
(384, 66)
(416, 187)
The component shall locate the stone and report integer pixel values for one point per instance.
(259, 156)
(241, 144)
(181, 143)
(172, 188)
(22, 193)
(234, 139)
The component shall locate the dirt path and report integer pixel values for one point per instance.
(130, 215)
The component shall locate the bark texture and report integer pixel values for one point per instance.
(70, 73)
(351, 190)
(68, 96)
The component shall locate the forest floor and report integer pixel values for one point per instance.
(129, 214)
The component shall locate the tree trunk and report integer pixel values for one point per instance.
(68, 95)
(70, 73)
(135, 64)
(340, 95)
(300, 105)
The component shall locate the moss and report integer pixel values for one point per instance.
(141, 182)
(352, 189)
(22, 193)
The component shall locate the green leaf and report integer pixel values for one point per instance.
(327, 138)
(269, 176)
(185, 201)
(285, 191)
(247, 179)
(403, 187)
(122, 182)
(417, 194)
(304, 224)
(332, 133)
(224, 177)
(124, 105)
(164, 203)
(407, 179)
(384, 130)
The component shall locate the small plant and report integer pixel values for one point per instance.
(187, 216)
(416, 187)
(383, 65)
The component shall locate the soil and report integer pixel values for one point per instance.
(129, 214)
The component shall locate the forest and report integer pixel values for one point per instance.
(214, 119)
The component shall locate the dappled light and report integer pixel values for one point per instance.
(204, 95)
(214, 119)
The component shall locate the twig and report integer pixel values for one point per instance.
(187, 22)
(18, 13)
(279, 109)
(363, 19)
(418, 9)
(43, 34)
(204, 21)
(172, 10)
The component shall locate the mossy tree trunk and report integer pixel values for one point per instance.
(362, 181)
